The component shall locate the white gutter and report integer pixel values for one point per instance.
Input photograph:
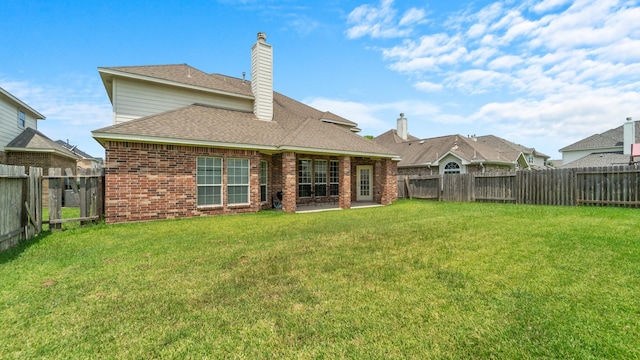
(145, 139)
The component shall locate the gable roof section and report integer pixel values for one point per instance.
(31, 140)
(507, 148)
(611, 138)
(22, 105)
(296, 126)
(425, 152)
(74, 149)
(181, 75)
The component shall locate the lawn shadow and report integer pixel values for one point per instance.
(13, 253)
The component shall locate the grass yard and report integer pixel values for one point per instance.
(421, 280)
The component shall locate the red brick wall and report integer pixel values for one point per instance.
(151, 181)
(44, 160)
(388, 181)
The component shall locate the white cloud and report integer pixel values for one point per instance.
(428, 86)
(504, 62)
(560, 67)
(381, 21)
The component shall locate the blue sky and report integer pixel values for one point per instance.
(542, 73)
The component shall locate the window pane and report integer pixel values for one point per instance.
(263, 181)
(238, 181)
(304, 178)
(238, 194)
(304, 190)
(209, 180)
(209, 195)
(334, 178)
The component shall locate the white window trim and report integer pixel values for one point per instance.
(310, 183)
(248, 184)
(22, 119)
(315, 176)
(220, 185)
(337, 182)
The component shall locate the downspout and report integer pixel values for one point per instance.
(482, 166)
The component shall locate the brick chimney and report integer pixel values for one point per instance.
(262, 78)
(629, 135)
(402, 127)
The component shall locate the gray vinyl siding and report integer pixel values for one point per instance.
(135, 99)
(9, 128)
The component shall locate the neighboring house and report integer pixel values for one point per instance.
(85, 161)
(22, 144)
(188, 143)
(610, 148)
(453, 154)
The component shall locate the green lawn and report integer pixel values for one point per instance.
(413, 280)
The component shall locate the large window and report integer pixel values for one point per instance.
(334, 178)
(263, 180)
(22, 120)
(209, 181)
(304, 178)
(452, 168)
(320, 171)
(237, 181)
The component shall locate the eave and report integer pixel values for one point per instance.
(40, 150)
(102, 137)
(23, 105)
(107, 80)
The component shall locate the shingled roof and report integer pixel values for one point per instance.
(181, 75)
(31, 140)
(613, 138)
(422, 152)
(295, 126)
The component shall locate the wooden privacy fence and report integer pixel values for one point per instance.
(607, 186)
(85, 190)
(20, 204)
(21, 200)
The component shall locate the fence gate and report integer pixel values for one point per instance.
(457, 187)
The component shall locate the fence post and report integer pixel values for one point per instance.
(55, 197)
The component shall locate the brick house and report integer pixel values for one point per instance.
(187, 143)
(457, 154)
(22, 144)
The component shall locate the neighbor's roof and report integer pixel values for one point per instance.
(74, 149)
(612, 138)
(22, 104)
(598, 160)
(296, 126)
(507, 148)
(31, 140)
(422, 152)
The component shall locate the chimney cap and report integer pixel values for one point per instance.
(629, 118)
(262, 36)
(401, 114)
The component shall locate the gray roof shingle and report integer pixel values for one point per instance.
(33, 140)
(611, 138)
(294, 125)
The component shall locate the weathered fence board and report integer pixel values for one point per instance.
(11, 199)
(87, 188)
(21, 200)
(610, 186)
